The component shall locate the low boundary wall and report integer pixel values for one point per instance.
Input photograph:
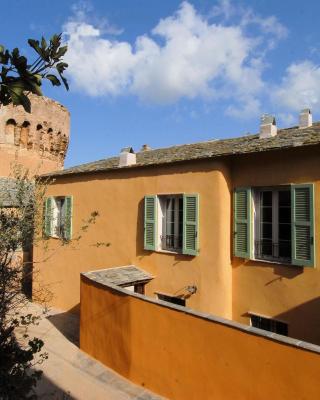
(182, 354)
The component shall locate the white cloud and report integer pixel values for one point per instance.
(193, 58)
(300, 87)
(287, 119)
(224, 8)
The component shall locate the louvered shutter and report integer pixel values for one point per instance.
(47, 228)
(242, 222)
(190, 224)
(302, 225)
(150, 222)
(68, 217)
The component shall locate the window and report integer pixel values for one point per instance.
(171, 223)
(172, 299)
(58, 217)
(275, 224)
(269, 324)
(272, 224)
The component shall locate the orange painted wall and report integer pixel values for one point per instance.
(288, 293)
(181, 356)
(118, 196)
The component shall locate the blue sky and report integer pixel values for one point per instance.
(170, 72)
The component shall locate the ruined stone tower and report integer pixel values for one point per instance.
(38, 141)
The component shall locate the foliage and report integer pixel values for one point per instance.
(21, 228)
(18, 223)
(18, 77)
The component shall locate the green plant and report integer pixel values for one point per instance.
(18, 77)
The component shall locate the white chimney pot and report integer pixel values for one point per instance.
(127, 157)
(305, 118)
(268, 127)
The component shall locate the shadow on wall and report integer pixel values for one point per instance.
(281, 270)
(303, 321)
(68, 323)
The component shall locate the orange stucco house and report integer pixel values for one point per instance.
(225, 227)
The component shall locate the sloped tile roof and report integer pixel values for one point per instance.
(122, 276)
(286, 138)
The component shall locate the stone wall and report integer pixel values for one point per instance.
(36, 140)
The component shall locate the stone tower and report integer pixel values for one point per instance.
(38, 141)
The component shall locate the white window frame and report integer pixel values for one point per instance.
(162, 222)
(56, 219)
(275, 222)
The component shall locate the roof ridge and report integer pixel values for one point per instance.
(286, 138)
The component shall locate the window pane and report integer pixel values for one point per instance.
(180, 222)
(266, 247)
(266, 214)
(269, 324)
(266, 230)
(274, 242)
(284, 198)
(284, 232)
(285, 249)
(265, 324)
(281, 328)
(285, 214)
(266, 198)
(172, 240)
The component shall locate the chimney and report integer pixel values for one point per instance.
(268, 127)
(127, 157)
(145, 147)
(305, 118)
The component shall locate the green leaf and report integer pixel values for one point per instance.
(61, 52)
(43, 43)
(18, 97)
(53, 79)
(15, 53)
(65, 82)
(34, 44)
(34, 87)
(61, 67)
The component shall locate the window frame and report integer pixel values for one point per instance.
(153, 223)
(256, 223)
(163, 222)
(55, 226)
(58, 217)
(272, 321)
(303, 246)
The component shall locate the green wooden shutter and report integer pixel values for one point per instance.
(47, 228)
(150, 222)
(242, 222)
(190, 224)
(68, 217)
(302, 225)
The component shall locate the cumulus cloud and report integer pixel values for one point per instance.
(300, 87)
(185, 56)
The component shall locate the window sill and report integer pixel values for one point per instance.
(169, 251)
(56, 237)
(277, 262)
